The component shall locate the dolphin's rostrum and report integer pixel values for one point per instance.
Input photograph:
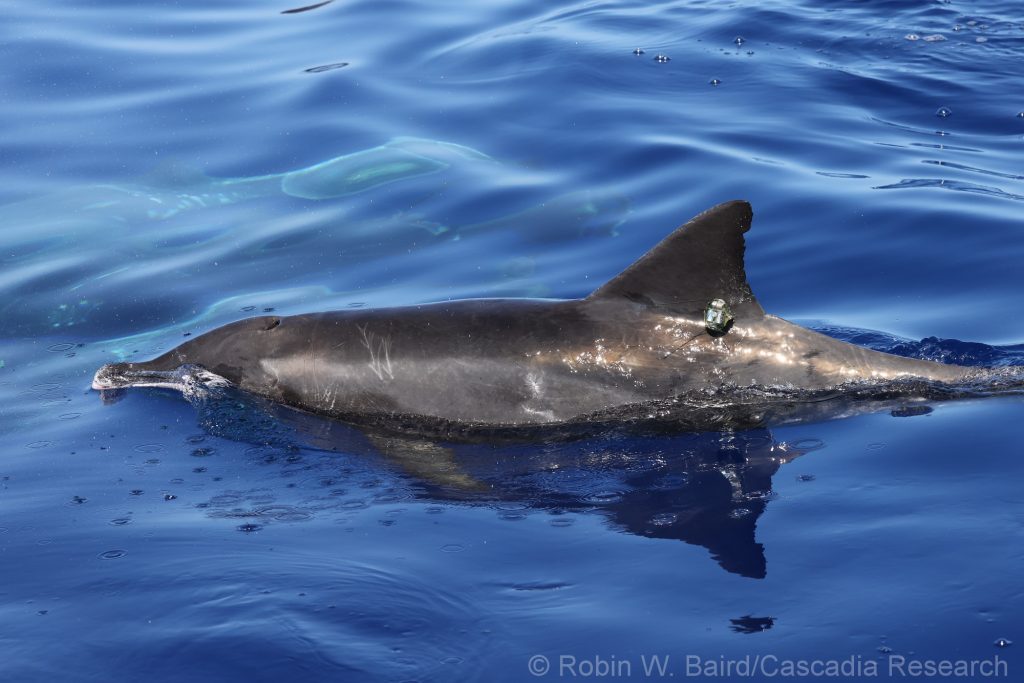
(641, 346)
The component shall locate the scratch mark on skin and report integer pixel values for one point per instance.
(380, 353)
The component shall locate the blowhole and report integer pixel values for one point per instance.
(272, 323)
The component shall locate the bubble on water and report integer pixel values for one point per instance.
(805, 477)
(604, 497)
(149, 448)
(972, 22)
(170, 496)
(136, 492)
(885, 649)
(248, 528)
(944, 112)
(202, 452)
(69, 416)
(958, 27)
(112, 554)
(78, 500)
(934, 38)
(638, 51)
(284, 513)
(562, 522)
(38, 444)
(739, 513)
(195, 438)
(739, 40)
(981, 39)
(452, 548)
(912, 36)
(120, 521)
(247, 309)
(662, 59)
(60, 348)
(1020, 115)
(664, 519)
(750, 52)
(1003, 642)
(510, 516)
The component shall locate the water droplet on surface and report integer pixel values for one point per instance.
(112, 554)
(944, 112)
(934, 38)
(249, 528)
(662, 59)
(715, 81)
(638, 51)
(885, 649)
(170, 496)
(325, 67)
(1003, 642)
(912, 36)
(738, 40)
(1020, 115)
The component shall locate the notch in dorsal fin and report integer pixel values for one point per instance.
(701, 261)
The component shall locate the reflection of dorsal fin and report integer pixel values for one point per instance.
(699, 262)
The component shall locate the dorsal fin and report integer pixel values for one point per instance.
(701, 261)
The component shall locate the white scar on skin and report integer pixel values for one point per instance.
(380, 353)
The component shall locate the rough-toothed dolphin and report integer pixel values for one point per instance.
(679, 333)
(66, 259)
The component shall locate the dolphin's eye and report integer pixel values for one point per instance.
(272, 323)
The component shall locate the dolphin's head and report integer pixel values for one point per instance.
(227, 355)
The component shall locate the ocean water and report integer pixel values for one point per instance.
(167, 168)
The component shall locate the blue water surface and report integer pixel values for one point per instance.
(167, 168)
